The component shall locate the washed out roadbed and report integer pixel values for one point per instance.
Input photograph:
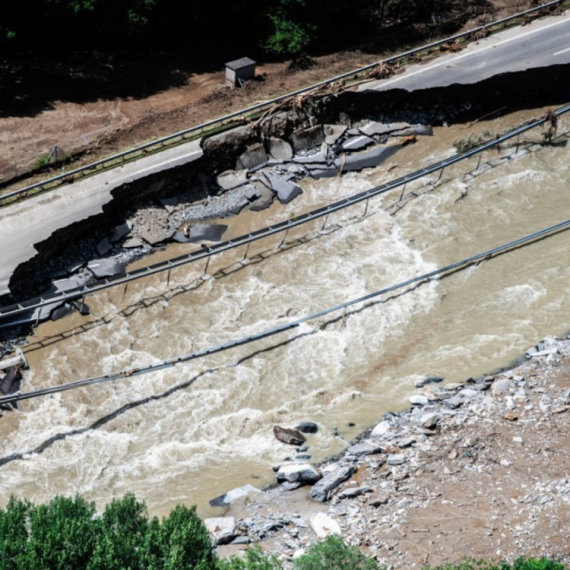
(479, 469)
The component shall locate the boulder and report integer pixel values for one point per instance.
(418, 400)
(307, 427)
(279, 149)
(396, 459)
(222, 529)
(381, 429)
(227, 498)
(364, 448)
(330, 481)
(430, 420)
(105, 268)
(352, 492)
(308, 138)
(323, 525)
(254, 157)
(298, 473)
(289, 436)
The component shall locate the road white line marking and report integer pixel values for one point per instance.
(562, 51)
(474, 52)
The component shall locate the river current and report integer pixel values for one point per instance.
(195, 431)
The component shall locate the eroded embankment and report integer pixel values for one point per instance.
(71, 247)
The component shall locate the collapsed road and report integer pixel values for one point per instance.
(36, 231)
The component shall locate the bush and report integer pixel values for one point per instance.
(334, 554)
(519, 564)
(254, 559)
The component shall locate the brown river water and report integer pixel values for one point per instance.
(192, 432)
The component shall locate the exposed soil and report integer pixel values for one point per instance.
(101, 103)
(489, 481)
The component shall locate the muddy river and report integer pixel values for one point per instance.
(192, 432)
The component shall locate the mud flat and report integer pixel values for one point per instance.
(478, 469)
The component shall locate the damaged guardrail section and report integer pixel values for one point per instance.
(239, 117)
(30, 310)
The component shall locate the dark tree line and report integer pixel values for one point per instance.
(278, 26)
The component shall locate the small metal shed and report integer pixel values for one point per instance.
(239, 71)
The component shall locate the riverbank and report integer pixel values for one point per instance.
(478, 469)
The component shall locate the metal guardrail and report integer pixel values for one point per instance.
(193, 132)
(13, 310)
(171, 362)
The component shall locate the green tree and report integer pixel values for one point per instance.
(121, 537)
(61, 534)
(254, 559)
(13, 534)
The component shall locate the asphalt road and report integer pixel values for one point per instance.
(540, 44)
(31, 221)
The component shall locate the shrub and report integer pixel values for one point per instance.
(519, 564)
(254, 559)
(334, 554)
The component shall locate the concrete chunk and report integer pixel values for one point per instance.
(357, 143)
(286, 190)
(105, 267)
(202, 232)
(104, 246)
(373, 128)
(279, 149)
(420, 130)
(119, 232)
(232, 179)
(168, 204)
(368, 159)
(254, 157)
(334, 132)
(307, 138)
(318, 157)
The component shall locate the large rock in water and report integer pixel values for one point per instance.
(289, 436)
(227, 498)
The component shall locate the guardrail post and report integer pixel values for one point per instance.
(325, 222)
(365, 209)
(284, 238)
(168, 279)
(440, 174)
(207, 264)
(246, 251)
(125, 291)
(402, 194)
(517, 145)
(479, 161)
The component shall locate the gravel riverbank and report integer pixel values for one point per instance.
(478, 469)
